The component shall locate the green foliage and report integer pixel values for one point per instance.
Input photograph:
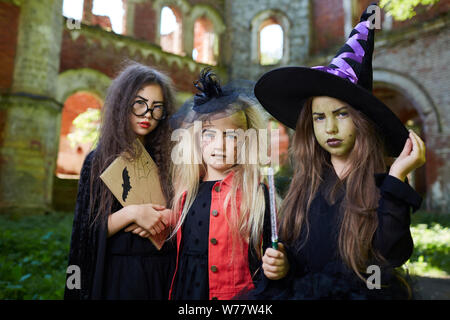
(404, 9)
(34, 256)
(431, 235)
(283, 179)
(86, 127)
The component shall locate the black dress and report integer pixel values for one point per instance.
(124, 266)
(191, 280)
(316, 269)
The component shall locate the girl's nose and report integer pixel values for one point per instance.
(331, 125)
(219, 142)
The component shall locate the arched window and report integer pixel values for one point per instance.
(270, 42)
(270, 38)
(171, 30)
(79, 124)
(206, 45)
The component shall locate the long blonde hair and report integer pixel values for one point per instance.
(248, 222)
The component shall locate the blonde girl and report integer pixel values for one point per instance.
(220, 203)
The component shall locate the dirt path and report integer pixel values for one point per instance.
(432, 288)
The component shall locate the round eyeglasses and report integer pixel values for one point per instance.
(140, 109)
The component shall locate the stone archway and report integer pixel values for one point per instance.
(417, 95)
(72, 152)
(79, 90)
(83, 79)
(414, 107)
(92, 85)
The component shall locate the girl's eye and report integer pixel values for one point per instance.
(319, 118)
(140, 102)
(208, 135)
(343, 114)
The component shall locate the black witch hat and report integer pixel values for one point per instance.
(349, 77)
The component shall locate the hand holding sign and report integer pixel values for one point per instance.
(136, 183)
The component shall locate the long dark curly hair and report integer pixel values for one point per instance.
(117, 136)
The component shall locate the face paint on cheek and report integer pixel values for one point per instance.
(346, 132)
(320, 134)
(350, 143)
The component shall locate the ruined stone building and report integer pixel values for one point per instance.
(53, 68)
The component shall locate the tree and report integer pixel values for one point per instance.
(404, 9)
(86, 127)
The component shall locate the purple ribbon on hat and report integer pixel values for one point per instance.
(344, 70)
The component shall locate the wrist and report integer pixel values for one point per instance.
(132, 213)
(398, 175)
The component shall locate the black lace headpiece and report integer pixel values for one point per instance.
(214, 101)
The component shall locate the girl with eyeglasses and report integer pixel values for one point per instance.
(109, 242)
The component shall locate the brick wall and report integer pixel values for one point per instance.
(81, 53)
(424, 61)
(145, 27)
(328, 24)
(328, 20)
(9, 22)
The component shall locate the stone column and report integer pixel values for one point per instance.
(30, 132)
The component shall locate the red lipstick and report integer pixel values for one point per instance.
(144, 124)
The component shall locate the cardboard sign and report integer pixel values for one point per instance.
(136, 182)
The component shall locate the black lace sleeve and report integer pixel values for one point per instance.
(393, 238)
(81, 251)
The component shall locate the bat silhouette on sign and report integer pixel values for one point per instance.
(126, 186)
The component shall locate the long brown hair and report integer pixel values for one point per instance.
(117, 136)
(359, 218)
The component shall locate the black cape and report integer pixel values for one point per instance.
(97, 256)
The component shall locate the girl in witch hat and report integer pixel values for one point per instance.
(346, 215)
(109, 242)
(221, 207)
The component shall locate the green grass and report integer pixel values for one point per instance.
(34, 252)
